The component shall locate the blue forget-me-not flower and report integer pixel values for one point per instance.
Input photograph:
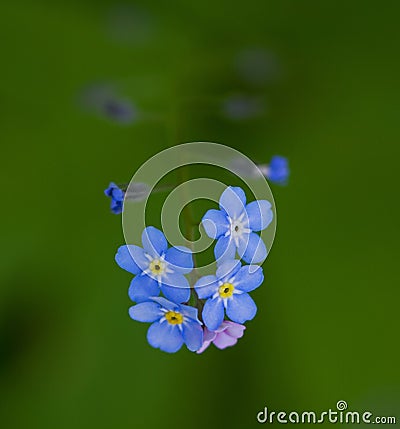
(235, 224)
(172, 324)
(156, 267)
(227, 290)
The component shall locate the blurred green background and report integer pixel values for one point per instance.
(327, 98)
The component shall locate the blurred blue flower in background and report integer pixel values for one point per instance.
(277, 171)
(104, 101)
(227, 291)
(156, 267)
(243, 107)
(119, 110)
(172, 324)
(233, 226)
(117, 197)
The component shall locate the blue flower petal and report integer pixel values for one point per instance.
(113, 191)
(213, 313)
(206, 286)
(154, 241)
(176, 287)
(165, 337)
(228, 269)
(118, 194)
(259, 214)
(180, 259)
(116, 206)
(167, 305)
(233, 201)
(175, 294)
(175, 280)
(241, 308)
(252, 249)
(215, 223)
(192, 335)
(249, 278)
(142, 288)
(189, 311)
(109, 190)
(147, 312)
(224, 250)
(131, 258)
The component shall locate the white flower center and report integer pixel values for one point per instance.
(157, 267)
(238, 227)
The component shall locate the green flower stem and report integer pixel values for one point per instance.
(190, 224)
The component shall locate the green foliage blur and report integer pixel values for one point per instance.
(328, 322)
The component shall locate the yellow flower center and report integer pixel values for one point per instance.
(157, 267)
(174, 318)
(226, 290)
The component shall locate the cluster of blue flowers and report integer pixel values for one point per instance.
(160, 269)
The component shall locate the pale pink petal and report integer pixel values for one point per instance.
(235, 330)
(223, 340)
(208, 337)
